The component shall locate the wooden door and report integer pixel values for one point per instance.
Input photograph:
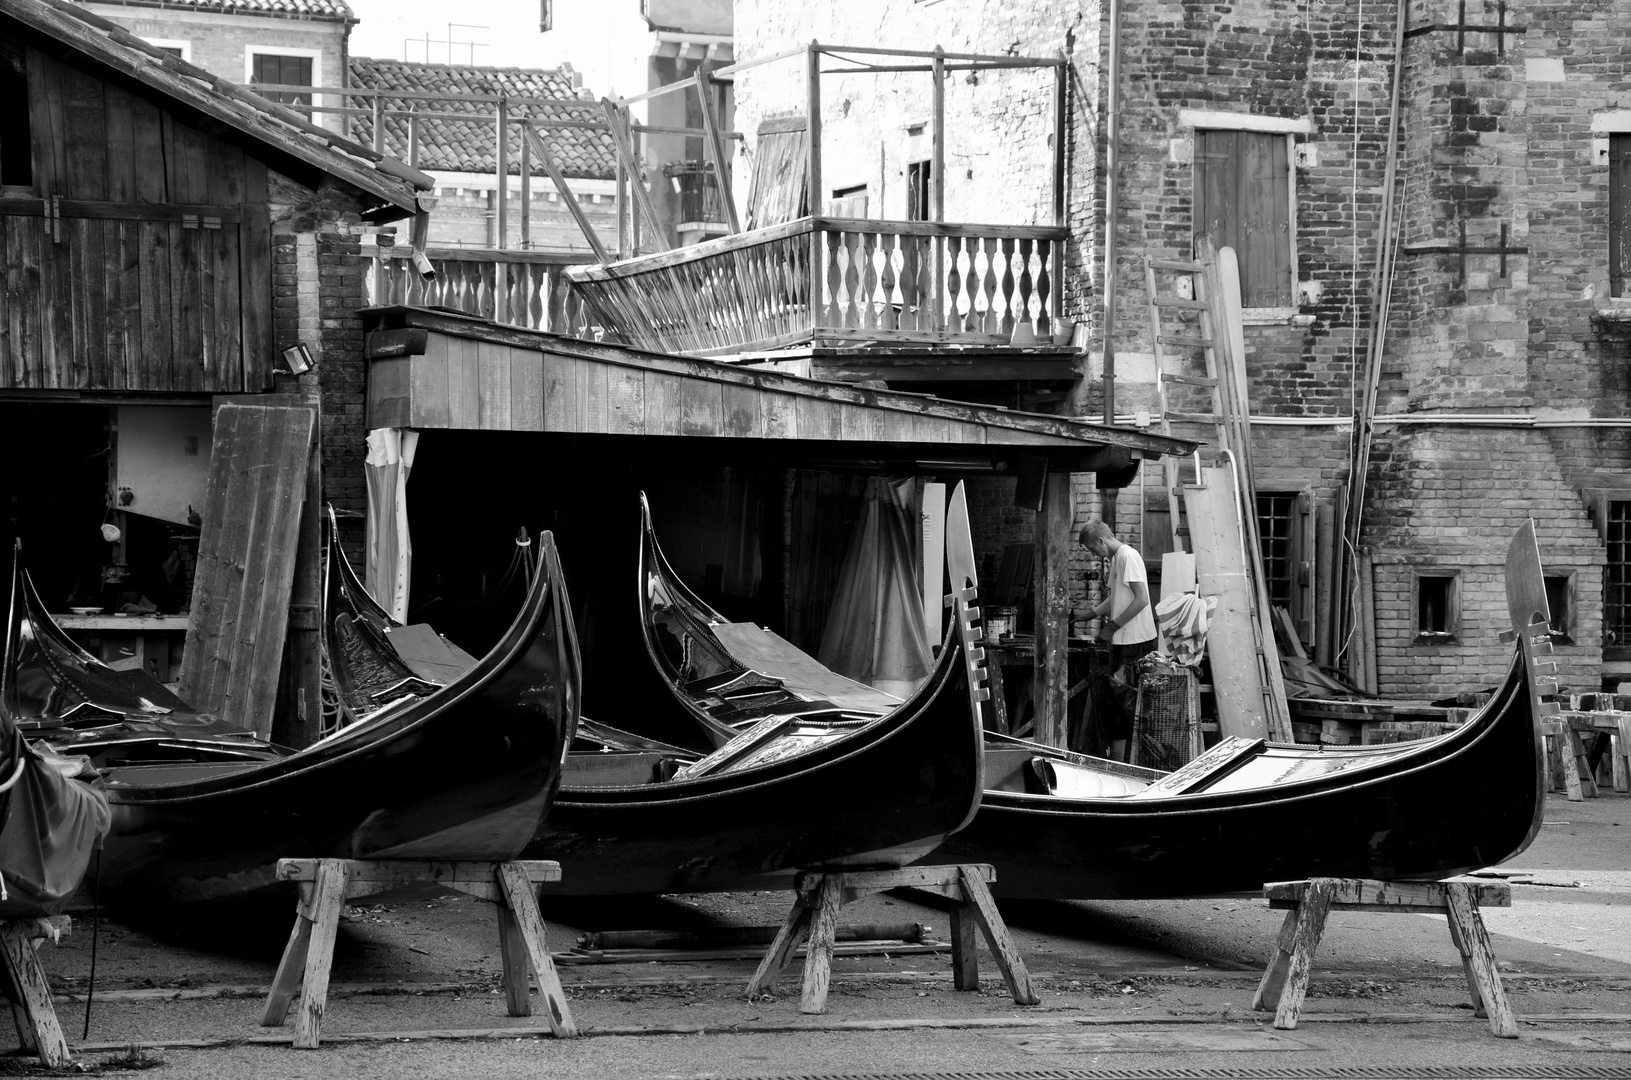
(1243, 201)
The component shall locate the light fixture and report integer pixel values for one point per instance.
(299, 359)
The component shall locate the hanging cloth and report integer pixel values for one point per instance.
(389, 551)
(875, 632)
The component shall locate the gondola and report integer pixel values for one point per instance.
(53, 812)
(799, 781)
(1056, 824)
(413, 769)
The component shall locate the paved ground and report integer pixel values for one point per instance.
(1150, 986)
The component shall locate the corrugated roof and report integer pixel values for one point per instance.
(456, 146)
(294, 9)
(274, 125)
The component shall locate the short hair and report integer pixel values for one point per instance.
(1095, 530)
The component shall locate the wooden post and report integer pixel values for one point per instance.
(623, 142)
(622, 205)
(298, 722)
(715, 146)
(812, 105)
(379, 123)
(1052, 591)
(526, 196)
(502, 131)
(939, 318)
(565, 192)
(1061, 99)
(413, 140)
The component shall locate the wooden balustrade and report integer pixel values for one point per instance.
(521, 288)
(834, 281)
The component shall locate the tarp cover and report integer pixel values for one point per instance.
(53, 822)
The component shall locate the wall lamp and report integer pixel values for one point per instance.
(299, 359)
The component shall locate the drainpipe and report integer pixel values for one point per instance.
(1112, 208)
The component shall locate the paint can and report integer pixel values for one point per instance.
(999, 621)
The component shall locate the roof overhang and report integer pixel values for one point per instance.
(439, 370)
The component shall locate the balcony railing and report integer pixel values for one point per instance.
(521, 288)
(835, 282)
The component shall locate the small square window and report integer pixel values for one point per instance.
(1438, 608)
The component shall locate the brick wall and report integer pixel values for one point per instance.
(220, 44)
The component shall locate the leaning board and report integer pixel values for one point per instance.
(246, 562)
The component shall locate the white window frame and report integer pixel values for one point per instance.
(315, 55)
(1222, 120)
(184, 45)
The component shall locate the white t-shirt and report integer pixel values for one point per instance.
(1126, 567)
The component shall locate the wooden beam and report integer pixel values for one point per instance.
(501, 129)
(937, 181)
(567, 197)
(719, 73)
(1061, 98)
(526, 195)
(715, 147)
(623, 140)
(1052, 607)
(812, 109)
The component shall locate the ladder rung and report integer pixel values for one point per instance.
(1190, 417)
(1192, 380)
(1175, 264)
(1180, 303)
(1188, 342)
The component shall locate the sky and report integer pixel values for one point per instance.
(591, 35)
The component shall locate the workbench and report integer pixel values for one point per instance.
(144, 638)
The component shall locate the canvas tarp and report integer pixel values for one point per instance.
(54, 820)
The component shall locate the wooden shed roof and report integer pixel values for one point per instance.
(477, 375)
(239, 109)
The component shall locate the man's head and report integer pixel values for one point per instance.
(1096, 537)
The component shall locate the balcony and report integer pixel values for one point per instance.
(518, 288)
(837, 283)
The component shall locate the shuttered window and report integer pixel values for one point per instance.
(1616, 521)
(276, 70)
(1243, 201)
(1619, 213)
(1285, 525)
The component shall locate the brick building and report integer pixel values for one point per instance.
(290, 42)
(1500, 380)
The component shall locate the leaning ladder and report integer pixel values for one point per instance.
(1179, 326)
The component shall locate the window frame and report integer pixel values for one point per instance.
(1562, 627)
(1198, 120)
(185, 45)
(314, 55)
(1600, 502)
(1451, 635)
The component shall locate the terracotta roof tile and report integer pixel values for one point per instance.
(320, 9)
(456, 146)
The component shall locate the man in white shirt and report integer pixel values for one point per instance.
(1129, 622)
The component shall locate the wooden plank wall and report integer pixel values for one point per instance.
(246, 561)
(157, 274)
(462, 383)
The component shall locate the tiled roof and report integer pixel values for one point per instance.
(297, 9)
(274, 126)
(456, 146)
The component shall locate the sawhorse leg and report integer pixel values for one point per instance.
(522, 944)
(31, 1007)
(309, 955)
(1478, 961)
(1285, 983)
(794, 929)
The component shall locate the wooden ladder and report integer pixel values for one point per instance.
(1208, 322)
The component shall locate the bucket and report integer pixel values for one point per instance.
(998, 622)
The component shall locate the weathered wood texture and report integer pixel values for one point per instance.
(506, 379)
(1242, 201)
(143, 262)
(246, 562)
(25, 984)
(833, 280)
(520, 288)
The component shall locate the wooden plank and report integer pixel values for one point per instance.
(780, 414)
(559, 407)
(818, 955)
(119, 124)
(493, 386)
(147, 143)
(27, 979)
(463, 384)
(156, 320)
(1364, 892)
(663, 392)
(428, 393)
(187, 310)
(983, 907)
(526, 390)
(1478, 960)
(1221, 571)
(291, 970)
(1053, 545)
(328, 900)
(84, 114)
(794, 929)
(417, 871)
(1619, 213)
(523, 902)
(931, 878)
(626, 401)
(246, 560)
(255, 333)
(590, 385)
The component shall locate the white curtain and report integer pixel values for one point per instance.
(390, 554)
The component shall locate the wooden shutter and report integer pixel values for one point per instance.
(1619, 213)
(1243, 201)
(776, 190)
(1303, 548)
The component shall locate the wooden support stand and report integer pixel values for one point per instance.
(815, 916)
(325, 886)
(24, 983)
(1307, 903)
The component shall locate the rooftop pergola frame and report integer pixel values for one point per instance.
(822, 60)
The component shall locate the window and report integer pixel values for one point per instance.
(848, 202)
(176, 47)
(1243, 201)
(277, 69)
(1438, 616)
(1560, 603)
(1285, 527)
(16, 136)
(1619, 213)
(918, 191)
(1617, 578)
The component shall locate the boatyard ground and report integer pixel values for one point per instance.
(1154, 986)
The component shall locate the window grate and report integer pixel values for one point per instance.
(1617, 576)
(1275, 514)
